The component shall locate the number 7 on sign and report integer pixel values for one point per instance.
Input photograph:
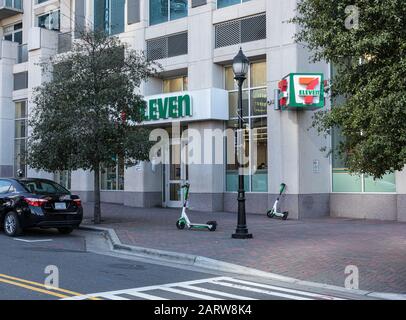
(310, 84)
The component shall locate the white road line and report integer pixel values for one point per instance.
(149, 288)
(271, 293)
(31, 241)
(145, 295)
(111, 297)
(219, 293)
(189, 293)
(303, 293)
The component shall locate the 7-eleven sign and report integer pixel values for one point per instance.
(302, 91)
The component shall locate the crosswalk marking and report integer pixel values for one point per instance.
(190, 294)
(112, 297)
(267, 292)
(303, 293)
(219, 293)
(195, 290)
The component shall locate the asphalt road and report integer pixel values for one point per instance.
(82, 274)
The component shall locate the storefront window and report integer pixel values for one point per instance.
(112, 178)
(175, 84)
(20, 137)
(343, 181)
(165, 10)
(64, 178)
(255, 140)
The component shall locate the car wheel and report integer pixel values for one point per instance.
(11, 225)
(66, 230)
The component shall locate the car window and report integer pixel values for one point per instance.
(4, 186)
(42, 187)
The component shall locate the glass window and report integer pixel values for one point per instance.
(233, 104)
(64, 178)
(42, 187)
(49, 20)
(259, 102)
(4, 186)
(112, 178)
(165, 10)
(255, 140)
(226, 3)
(175, 84)
(344, 181)
(260, 154)
(14, 33)
(258, 74)
(20, 137)
(178, 9)
(117, 16)
(109, 16)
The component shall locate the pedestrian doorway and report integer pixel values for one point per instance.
(175, 173)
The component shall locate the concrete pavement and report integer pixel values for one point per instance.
(315, 250)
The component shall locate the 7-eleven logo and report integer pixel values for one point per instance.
(310, 92)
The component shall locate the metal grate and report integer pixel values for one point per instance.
(64, 42)
(21, 80)
(177, 44)
(166, 47)
(239, 31)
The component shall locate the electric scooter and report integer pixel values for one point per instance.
(184, 221)
(274, 211)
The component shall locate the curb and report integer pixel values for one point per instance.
(218, 265)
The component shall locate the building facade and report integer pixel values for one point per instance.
(195, 41)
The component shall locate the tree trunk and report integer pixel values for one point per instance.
(97, 208)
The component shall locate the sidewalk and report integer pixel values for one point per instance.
(314, 250)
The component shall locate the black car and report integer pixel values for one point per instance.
(29, 203)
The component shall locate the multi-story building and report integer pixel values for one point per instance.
(195, 41)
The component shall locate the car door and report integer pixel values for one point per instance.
(4, 189)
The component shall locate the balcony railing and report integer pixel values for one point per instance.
(10, 8)
(64, 42)
(22, 53)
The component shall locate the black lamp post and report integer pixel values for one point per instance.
(240, 68)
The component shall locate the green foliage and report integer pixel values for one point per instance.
(368, 87)
(77, 120)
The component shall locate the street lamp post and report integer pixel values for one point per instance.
(240, 68)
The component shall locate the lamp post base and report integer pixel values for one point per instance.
(241, 235)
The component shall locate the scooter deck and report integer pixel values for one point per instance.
(199, 226)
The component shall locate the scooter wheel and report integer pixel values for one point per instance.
(270, 213)
(180, 225)
(285, 215)
(212, 224)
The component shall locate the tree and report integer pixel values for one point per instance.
(88, 114)
(366, 41)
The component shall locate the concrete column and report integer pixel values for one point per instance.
(8, 57)
(42, 44)
(401, 195)
(206, 175)
(292, 148)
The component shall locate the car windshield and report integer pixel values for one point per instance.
(43, 187)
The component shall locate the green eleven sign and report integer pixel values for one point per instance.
(168, 107)
(302, 91)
